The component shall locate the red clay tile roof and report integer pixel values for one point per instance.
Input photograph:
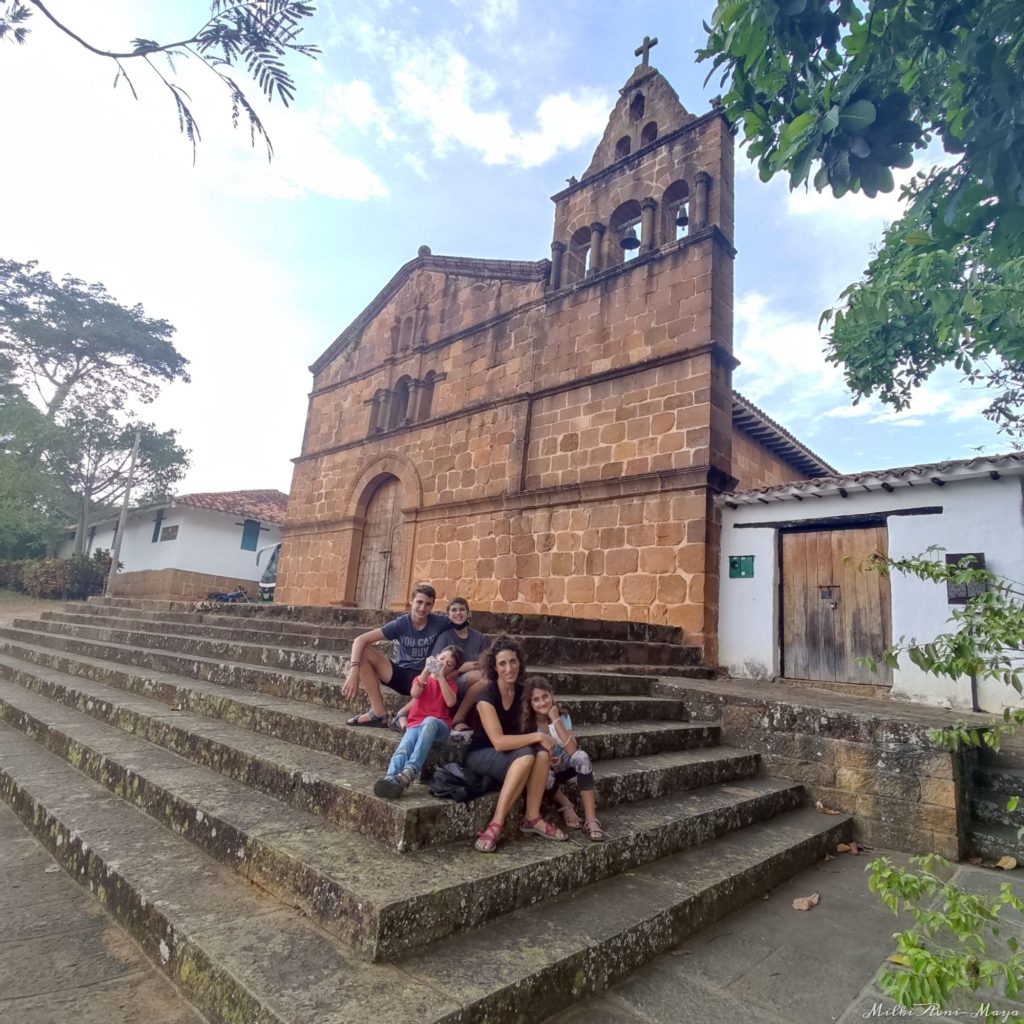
(266, 506)
(881, 479)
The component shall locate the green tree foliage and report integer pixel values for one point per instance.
(255, 36)
(33, 500)
(74, 363)
(840, 93)
(94, 459)
(957, 943)
(68, 342)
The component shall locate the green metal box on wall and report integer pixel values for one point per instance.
(741, 567)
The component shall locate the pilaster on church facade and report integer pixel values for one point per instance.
(545, 437)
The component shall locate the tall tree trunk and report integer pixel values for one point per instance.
(83, 521)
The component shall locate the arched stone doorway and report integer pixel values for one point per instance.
(380, 561)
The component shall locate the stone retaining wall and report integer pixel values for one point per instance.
(904, 791)
(178, 584)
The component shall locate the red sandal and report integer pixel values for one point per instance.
(487, 841)
(539, 827)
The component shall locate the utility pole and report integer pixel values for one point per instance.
(122, 521)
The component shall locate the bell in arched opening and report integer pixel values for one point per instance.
(630, 239)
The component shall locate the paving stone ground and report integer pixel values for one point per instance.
(62, 959)
(771, 964)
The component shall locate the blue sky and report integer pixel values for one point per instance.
(448, 123)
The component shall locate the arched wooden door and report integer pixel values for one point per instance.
(379, 556)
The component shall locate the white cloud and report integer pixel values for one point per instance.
(434, 86)
(108, 192)
(438, 87)
(354, 103)
(491, 15)
(306, 162)
(850, 412)
(855, 208)
(779, 352)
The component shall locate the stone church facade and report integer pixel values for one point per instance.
(549, 437)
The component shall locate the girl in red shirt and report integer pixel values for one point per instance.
(430, 722)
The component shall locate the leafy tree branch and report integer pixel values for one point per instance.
(954, 946)
(257, 37)
(840, 94)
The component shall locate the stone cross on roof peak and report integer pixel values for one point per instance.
(644, 49)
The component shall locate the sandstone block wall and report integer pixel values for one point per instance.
(177, 585)
(754, 465)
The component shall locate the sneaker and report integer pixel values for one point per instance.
(389, 788)
(406, 777)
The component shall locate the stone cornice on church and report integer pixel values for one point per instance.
(467, 266)
(712, 231)
(718, 352)
(585, 492)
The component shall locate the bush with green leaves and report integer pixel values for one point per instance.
(955, 945)
(74, 578)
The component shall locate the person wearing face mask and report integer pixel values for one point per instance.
(472, 643)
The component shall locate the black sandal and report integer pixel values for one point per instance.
(399, 723)
(374, 720)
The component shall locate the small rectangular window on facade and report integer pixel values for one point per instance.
(250, 534)
(169, 532)
(961, 593)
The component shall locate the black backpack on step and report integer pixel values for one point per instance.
(454, 782)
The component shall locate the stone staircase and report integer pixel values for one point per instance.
(998, 775)
(168, 757)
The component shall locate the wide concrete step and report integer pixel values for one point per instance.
(992, 840)
(334, 788)
(217, 627)
(239, 956)
(368, 618)
(254, 645)
(319, 728)
(379, 902)
(989, 806)
(270, 649)
(250, 649)
(103, 661)
(671, 671)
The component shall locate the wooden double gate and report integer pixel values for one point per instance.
(833, 610)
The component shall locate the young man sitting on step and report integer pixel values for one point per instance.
(470, 641)
(416, 633)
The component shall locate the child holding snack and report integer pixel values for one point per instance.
(430, 721)
(540, 712)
